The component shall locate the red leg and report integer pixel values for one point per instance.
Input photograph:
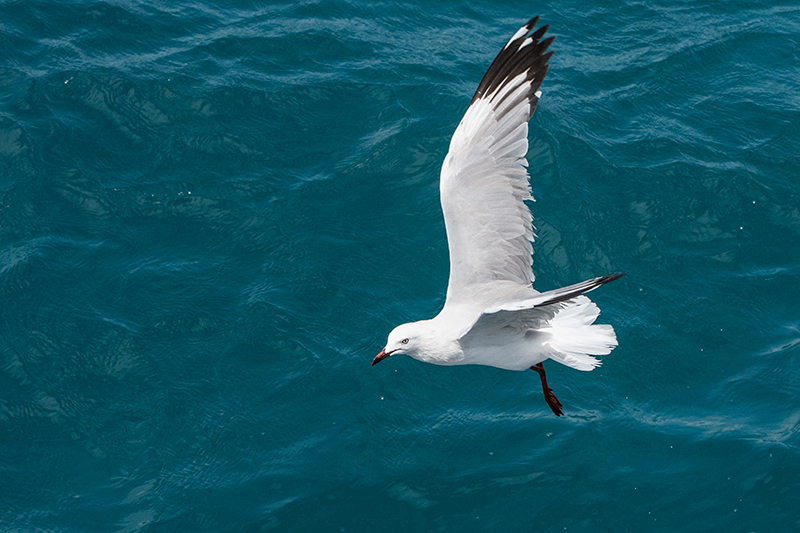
(549, 397)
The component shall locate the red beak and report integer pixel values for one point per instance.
(380, 357)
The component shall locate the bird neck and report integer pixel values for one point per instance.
(438, 345)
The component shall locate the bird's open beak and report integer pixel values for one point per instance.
(380, 357)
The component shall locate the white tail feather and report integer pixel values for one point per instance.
(575, 337)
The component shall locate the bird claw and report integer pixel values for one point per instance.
(549, 397)
(553, 402)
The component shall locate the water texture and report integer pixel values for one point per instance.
(212, 213)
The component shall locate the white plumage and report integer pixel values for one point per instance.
(492, 314)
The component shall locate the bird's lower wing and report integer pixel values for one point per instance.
(564, 315)
(555, 296)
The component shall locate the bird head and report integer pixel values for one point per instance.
(402, 340)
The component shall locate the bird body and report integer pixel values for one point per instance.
(492, 314)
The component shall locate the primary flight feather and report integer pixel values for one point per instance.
(492, 314)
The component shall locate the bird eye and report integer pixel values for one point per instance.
(404, 341)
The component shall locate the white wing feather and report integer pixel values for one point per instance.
(484, 179)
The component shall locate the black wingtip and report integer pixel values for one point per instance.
(573, 291)
(611, 277)
(515, 58)
(541, 31)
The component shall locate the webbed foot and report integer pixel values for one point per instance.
(549, 397)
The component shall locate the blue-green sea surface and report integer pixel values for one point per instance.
(212, 213)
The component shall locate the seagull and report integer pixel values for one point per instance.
(492, 315)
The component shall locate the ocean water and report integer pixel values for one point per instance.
(212, 213)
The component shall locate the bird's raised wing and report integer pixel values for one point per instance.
(484, 179)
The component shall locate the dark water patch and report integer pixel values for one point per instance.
(53, 35)
(72, 378)
(16, 152)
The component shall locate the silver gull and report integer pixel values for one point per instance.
(492, 314)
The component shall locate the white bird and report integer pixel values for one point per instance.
(492, 315)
